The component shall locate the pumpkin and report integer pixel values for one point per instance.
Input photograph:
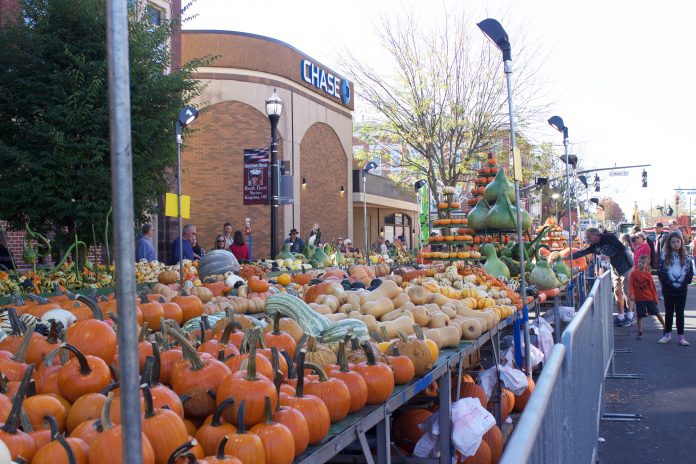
(214, 429)
(494, 440)
(318, 354)
(304, 278)
(217, 262)
(81, 375)
(482, 456)
(38, 406)
(378, 376)
(153, 312)
(17, 441)
(314, 291)
(247, 447)
(191, 306)
(362, 273)
(402, 366)
(280, 339)
(332, 391)
(85, 408)
(522, 399)
(291, 418)
(278, 443)
(168, 277)
(406, 430)
(93, 336)
(203, 293)
(164, 429)
(354, 381)
(473, 390)
(61, 450)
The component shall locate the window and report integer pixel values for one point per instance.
(154, 15)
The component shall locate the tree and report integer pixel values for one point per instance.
(54, 115)
(444, 95)
(612, 210)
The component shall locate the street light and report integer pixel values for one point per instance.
(274, 108)
(368, 167)
(417, 187)
(557, 123)
(495, 32)
(187, 115)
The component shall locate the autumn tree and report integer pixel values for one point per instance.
(612, 210)
(441, 92)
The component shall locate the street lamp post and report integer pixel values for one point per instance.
(368, 167)
(557, 123)
(187, 115)
(418, 186)
(495, 32)
(274, 107)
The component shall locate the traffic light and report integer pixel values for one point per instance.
(645, 178)
(596, 183)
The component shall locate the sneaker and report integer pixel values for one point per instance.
(683, 342)
(665, 338)
(639, 336)
(618, 322)
(626, 322)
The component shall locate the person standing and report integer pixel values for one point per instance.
(606, 244)
(227, 234)
(239, 248)
(296, 243)
(674, 228)
(198, 251)
(219, 243)
(640, 248)
(143, 245)
(187, 235)
(643, 294)
(675, 272)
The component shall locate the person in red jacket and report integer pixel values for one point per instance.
(239, 249)
(642, 293)
(640, 247)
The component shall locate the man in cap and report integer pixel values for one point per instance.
(296, 243)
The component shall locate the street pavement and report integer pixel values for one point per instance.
(665, 397)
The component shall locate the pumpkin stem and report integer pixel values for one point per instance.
(18, 327)
(300, 344)
(20, 357)
(156, 366)
(25, 422)
(419, 332)
(371, 360)
(221, 448)
(106, 411)
(384, 333)
(181, 451)
(276, 324)
(202, 326)
(230, 328)
(189, 352)
(84, 365)
(277, 381)
(354, 344)
(395, 350)
(4, 384)
(251, 359)
(292, 373)
(113, 317)
(165, 334)
(115, 373)
(241, 427)
(299, 390)
(376, 337)
(13, 418)
(66, 446)
(143, 332)
(143, 298)
(149, 405)
(217, 414)
(317, 370)
(342, 358)
(91, 304)
(53, 425)
(269, 410)
(146, 377)
(53, 331)
(402, 336)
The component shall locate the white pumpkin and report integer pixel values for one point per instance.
(59, 315)
(231, 279)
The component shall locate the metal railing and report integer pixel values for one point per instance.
(561, 420)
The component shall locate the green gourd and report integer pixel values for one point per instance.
(499, 185)
(284, 252)
(543, 277)
(477, 217)
(321, 257)
(502, 214)
(494, 266)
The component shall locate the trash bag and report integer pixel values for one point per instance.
(470, 422)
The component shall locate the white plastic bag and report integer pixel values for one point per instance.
(489, 381)
(513, 379)
(428, 446)
(470, 422)
(544, 333)
(567, 313)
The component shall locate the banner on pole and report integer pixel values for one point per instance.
(171, 206)
(517, 164)
(256, 176)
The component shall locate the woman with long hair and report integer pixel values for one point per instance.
(239, 248)
(219, 243)
(675, 272)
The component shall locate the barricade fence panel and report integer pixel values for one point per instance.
(561, 420)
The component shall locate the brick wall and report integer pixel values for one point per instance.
(323, 165)
(9, 9)
(212, 163)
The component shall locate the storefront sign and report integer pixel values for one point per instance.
(325, 81)
(256, 178)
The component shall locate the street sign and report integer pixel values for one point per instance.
(618, 173)
(693, 192)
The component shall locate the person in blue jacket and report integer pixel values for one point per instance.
(188, 232)
(143, 246)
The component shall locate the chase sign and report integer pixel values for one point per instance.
(332, 85)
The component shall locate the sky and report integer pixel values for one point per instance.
(618, 72)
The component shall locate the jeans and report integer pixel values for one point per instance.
(675, 304)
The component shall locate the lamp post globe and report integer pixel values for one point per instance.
(274, 108)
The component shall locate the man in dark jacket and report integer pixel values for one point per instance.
(607, 244)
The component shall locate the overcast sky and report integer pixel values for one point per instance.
(619, 72)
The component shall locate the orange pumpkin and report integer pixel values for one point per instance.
(319, 289)
(257, 284)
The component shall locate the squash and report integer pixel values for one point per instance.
(378, 307)
(471, 328)
(168, 277)
(417, 351)
(403, 324)
(448, 336)
(203, 293)
(494, 266)
(388, 289)
(391, 315)
(369, 321)
(329, 300)
(421, 315)
(362, 274)
(438, 319)
(419, 295)
(296, 309)
(477, 216)
(217, 262)
(400, 300)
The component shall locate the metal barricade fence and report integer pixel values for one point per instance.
(561, 420)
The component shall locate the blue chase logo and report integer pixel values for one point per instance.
(325, 81)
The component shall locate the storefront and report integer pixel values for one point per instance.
(314, 140)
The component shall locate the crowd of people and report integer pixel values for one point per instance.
(630, 258)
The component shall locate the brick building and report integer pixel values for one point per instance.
(314, 132)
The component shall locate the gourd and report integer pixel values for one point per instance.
(168, 277)
(478, 215)
(468, 312)
(418, 295)
(388, 289)
(400, 300)
(471, 328)
(501, 215)
(403, 323)
(203, 293)
(421, 315)
(217, 262)
(391, 315)
(543, 277)
(340, 329)
(500, 185)
(297, 310)
(378, 307)
(417, 351)
(493, 265)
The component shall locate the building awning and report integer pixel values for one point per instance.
(383, 202)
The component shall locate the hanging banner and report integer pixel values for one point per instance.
(256, 176)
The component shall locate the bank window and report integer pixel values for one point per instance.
(154, 15)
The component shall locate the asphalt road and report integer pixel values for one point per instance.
(666, 396)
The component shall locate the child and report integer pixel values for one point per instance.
(675, 272)
(643, 294)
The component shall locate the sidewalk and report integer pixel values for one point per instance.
(666, 397)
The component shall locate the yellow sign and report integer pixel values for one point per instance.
(171, 206)
(517, 164)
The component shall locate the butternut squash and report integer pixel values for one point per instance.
(418, 295)
(438, 319)
(421, 315)
(400, 300)
(388, 289)
(403, 323)
(467, 312)
(369, 321)
(494, 314)
(448, 336)
(471, 327)
(336, 317)
(353, 299)
(448, 309)
(440, 299)
(378, 307)
(329, 300)
(408, 306)
(346, 308)
(391, 315)
(320, 308)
